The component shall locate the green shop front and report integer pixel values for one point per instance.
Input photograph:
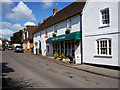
(69, 44)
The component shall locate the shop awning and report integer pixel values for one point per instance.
(71, 36)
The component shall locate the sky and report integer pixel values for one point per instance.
(16, 15)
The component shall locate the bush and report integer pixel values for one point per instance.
(56, 55)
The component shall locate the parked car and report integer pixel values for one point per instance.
(6, 47)
(18, 49)
(10, 48)
(2, 48)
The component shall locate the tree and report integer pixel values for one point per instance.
(17, 37)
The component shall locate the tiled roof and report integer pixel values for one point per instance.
(70, 10)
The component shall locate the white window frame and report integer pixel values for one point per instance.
(46, 32)
(69, 24)
(103, 49)
(55, 28)
(105, 18)
(40, 34)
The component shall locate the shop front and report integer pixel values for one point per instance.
(69, 44)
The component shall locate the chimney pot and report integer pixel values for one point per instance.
(39, 23)
(44, 19)
(54, 11)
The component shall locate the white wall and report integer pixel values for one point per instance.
(119, 33)
(92, 32)
(1, 42)
(61, 28)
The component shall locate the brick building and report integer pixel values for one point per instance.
(28, 38)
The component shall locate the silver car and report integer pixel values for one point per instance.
(18, 49)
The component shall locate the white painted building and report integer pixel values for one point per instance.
(0, 42)
(99, 23)
(101, 33)
(58, 23)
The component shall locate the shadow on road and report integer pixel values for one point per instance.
(8, 82)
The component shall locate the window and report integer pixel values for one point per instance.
(69, 23)
(56, 48)
(104, 47)
(40, 34)
(55, 29)
(105, 16)
(46, 32)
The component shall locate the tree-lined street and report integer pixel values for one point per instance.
(37, 71)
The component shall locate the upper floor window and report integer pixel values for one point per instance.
(46, 32)
(55, 28)
(105, 19)
(25, 35)
(104, 47)
(69, 23)
(40, 34)
(35, 35)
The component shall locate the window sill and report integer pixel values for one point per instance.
(103, 56)
(104, 26)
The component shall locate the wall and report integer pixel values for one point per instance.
(61, 28)
(92, 31)
(119, 33)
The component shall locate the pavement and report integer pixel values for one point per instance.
(107, 72)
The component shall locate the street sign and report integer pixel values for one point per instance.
(46, 36)
(78, 59)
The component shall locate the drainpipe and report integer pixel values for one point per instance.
(81, 39)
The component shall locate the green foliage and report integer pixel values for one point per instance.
(17, 37)
(56, 55)
(62, 56)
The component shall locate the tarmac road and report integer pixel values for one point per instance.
(37, 72)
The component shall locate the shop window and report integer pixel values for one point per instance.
(104, 47)
(62, 47)
(73, 49)
(53, 48)
(69, 47)
(65, 48)
(47, 48)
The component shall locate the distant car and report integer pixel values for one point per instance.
(2, 48)
(18, 49)
(6, 47)
(10, 48)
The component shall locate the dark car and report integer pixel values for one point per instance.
(6, 47)
(10, 48)
(2, 48)
(18, 49)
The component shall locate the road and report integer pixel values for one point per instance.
(39, 72)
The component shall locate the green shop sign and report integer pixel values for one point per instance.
(71, 36)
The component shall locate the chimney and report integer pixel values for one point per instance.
(44, 19)
(39, 23)
(54, 11)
